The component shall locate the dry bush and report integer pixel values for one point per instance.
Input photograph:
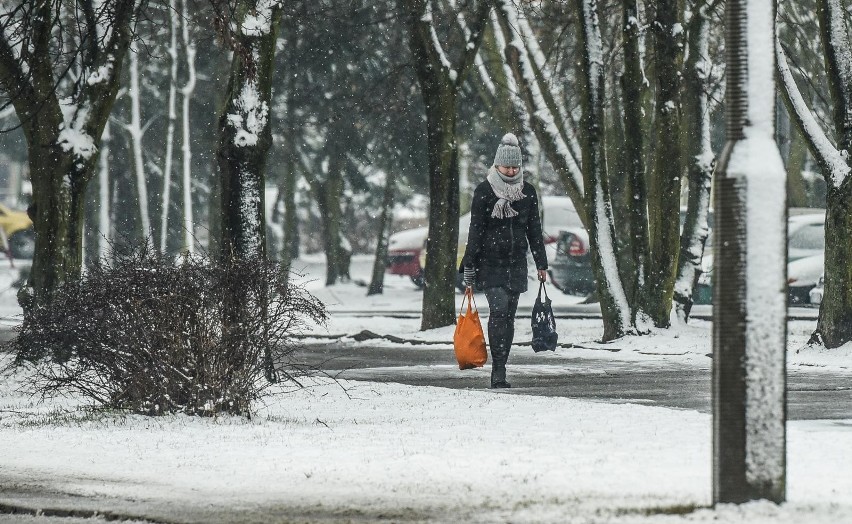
(153, 334)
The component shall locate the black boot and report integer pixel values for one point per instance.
(498, 376)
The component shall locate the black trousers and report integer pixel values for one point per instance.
(502, 304)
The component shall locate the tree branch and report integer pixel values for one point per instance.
(473, 39)
(830, 159)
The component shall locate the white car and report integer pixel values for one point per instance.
(802, 276)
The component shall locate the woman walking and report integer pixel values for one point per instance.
(504, 224)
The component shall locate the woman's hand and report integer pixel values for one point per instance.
(542, 275)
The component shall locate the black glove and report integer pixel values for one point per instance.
(469, 276)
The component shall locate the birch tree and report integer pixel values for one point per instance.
(136, 131)
(171, 117)
(834, 327)
(186, 93)
(62, 116)
(440, 80)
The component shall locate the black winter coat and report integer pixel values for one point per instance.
(497, 247)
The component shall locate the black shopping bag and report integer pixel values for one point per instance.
(544, 336)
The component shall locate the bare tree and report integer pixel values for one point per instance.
(834, 327)
(440, 81)
(61, 74)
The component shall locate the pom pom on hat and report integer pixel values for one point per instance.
(508, 152)
(510, 139)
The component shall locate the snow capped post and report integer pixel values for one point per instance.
(749, 328)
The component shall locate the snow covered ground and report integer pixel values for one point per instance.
(361, 451)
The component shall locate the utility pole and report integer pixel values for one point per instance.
(750, 292)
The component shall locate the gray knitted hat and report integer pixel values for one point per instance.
(508, 152)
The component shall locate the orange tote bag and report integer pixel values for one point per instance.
(469, 340)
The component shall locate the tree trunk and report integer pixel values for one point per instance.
(135, 131)
(104, 225)
(699, 156)
(614, 306)
(541, 106)
(186, 148)
(62, 142)
(440, 82)
(834, 327)
(57, 213)
(330, 193)
(245, 137)
(664, 187)
(442, 243)
(170, 127)
(290, 249)
(797, 188)
(633, 87)
(377, 282)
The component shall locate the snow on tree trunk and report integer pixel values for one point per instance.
(527, 63)
(749, 329)
(244, 129)
(834, 327)
(699, 154)
(634, 88)
(62, 137)
(614, 306)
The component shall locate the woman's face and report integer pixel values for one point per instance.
(509, 171)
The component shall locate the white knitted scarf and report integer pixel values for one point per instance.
(508, 190)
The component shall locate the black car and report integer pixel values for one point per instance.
(571, 268)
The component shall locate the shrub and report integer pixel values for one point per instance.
(154, 334)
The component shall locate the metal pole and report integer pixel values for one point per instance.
(749, 297)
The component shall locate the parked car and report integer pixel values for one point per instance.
(805, 257)
(407, 249)
(571, 269)
(17, 236)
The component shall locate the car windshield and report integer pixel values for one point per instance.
(810, 236)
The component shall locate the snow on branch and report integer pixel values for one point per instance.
(437, 48)
(525, 44)
(484, 75)
(259, 22)
(833, 160)
(511, 85)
